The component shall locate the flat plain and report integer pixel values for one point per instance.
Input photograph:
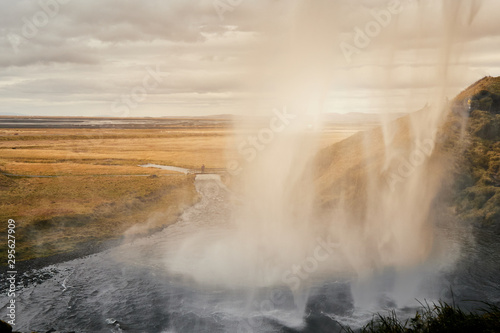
(74, 187)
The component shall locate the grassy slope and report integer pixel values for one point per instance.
(345, 169)
(438, 318)
(477, 171)
(470, 140)
(473, 170)
(57, 215)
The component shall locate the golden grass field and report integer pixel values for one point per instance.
(96, 190)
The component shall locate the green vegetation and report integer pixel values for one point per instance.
(471, 135)
(437, 318)
(468, 148)
(477, 171)
(480, 91)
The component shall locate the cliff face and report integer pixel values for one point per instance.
(477, 171)
(464, 162)
(482, 95)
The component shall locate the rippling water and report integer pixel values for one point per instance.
(129, 289)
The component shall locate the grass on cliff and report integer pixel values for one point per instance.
(478, 166)
(437, 318)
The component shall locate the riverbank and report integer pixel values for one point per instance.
(74, 191)
(70, 188)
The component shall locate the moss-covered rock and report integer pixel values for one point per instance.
(477, 172)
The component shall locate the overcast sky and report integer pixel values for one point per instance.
(201, 57)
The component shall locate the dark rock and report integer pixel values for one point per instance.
(331, 298)
(486, 101)
(4, 327)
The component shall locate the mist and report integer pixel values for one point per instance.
(364, 211)
(250, 166)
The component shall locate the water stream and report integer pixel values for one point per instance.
(142, 285)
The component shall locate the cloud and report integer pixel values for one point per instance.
(260, 52)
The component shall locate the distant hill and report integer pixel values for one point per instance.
(359, 117)
(12, 114)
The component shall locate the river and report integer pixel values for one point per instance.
(129, 289)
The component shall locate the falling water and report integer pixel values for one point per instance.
(335, 232)
(277, 222)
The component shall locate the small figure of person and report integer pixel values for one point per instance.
(203, 168)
